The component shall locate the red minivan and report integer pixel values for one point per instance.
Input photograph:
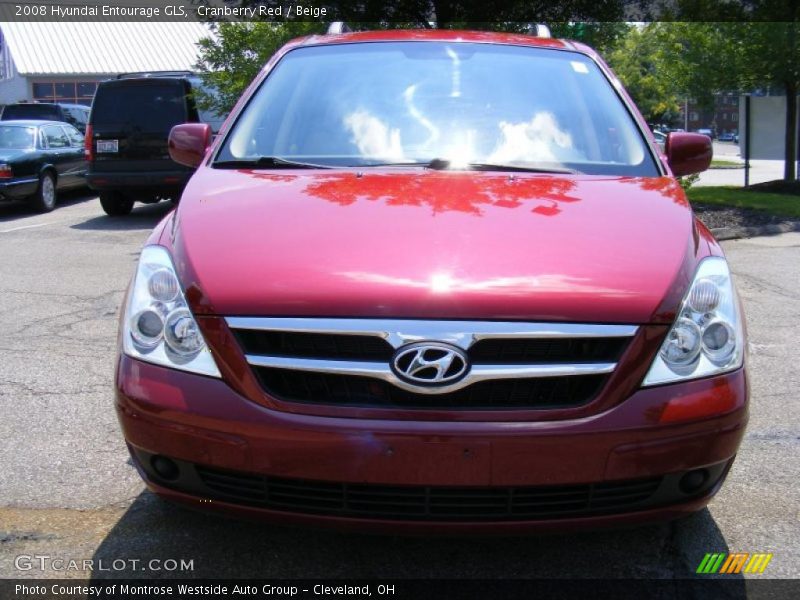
(434, 281)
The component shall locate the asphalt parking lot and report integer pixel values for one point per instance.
(68, 490)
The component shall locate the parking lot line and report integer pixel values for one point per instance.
(28, 226)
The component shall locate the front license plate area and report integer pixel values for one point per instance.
(429, 463)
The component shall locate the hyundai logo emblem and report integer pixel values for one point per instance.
(430, 363)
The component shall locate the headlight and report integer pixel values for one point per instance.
(707, 337)
(158, 326)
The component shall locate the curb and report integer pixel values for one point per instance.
(735, 233)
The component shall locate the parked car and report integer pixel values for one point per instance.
(707, 132)
(410, 288)
(661, 139)
(126, 143)
(76, 115)
(38, 159)
(728, 136)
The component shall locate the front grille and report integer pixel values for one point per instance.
(533, 351)
(363, 347)
(348, 390)
(427, 502)
(351, 362)
(315, 345)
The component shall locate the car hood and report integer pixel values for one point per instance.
(430, 244)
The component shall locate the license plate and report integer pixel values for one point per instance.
(107, 146)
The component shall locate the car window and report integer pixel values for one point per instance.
(80, 116)
(31, 111)
(56, 138)
(75, 136)
(361, 104)
(146, 107)
(17, 138)
(214, 120)
(71, 117)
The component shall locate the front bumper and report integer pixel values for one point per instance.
(201, 423)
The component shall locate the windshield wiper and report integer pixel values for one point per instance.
(434, 163)
(437, 164)
(443, 164)
(518, 168)
(271, 162)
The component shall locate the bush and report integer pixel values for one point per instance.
(688, 181)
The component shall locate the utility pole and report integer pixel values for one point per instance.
(686, 113)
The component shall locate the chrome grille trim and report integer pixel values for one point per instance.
(382, 371)
(463, 334)
(399, 332)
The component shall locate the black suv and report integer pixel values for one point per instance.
(76, 115)
(126, 141)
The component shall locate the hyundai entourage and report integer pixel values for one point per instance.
(434, 281)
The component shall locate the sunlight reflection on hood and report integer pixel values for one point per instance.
(444, 283)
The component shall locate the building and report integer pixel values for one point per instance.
(726, 113)
(722, 118)
(64, 61)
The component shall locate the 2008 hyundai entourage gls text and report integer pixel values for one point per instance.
(434, 281)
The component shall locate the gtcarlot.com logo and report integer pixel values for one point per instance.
(43, 562)
(740, 562)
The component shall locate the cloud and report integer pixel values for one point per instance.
(537, 140)
(373, 137)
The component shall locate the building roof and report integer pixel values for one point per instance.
(100, 48)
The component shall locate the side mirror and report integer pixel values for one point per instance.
(688, 153)
(188, 143)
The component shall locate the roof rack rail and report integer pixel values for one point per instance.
(154, 74)
(338, 27)
(539, 30)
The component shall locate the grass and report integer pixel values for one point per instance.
(787, 205)
(726, 164)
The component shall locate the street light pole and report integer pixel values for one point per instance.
(747, 140)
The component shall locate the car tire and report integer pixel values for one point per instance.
(44, 200)
(116, 204)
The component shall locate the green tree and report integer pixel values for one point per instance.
(663, 63)
(233, 57)
(697, 59)
(603, 36)
(640, 63)
(756, 43)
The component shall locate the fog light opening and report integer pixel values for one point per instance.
(692, 481)
(165, 467)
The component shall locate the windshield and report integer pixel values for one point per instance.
(16, 138)
(464, 103)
